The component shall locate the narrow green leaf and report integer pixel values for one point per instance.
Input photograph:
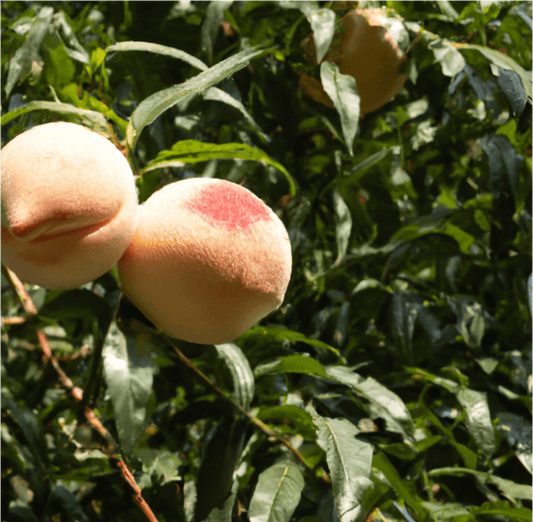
(343, 227)
(292, 364)
(241, 373)
(444, 512)
(28, 422)
(322, 22)
(97, 120)
(498, 59)
(224, 513)
(157, 49)
(214, 16)
(504, 165)
(349, 461)
(216, 94)
(383, 402)
(511, 513)
(153, 106)
(21, 63)
(508, 487)
(296, 416)
(277, 493)
(342, 90)
(478, 420)
(282, 334)
(221, 453)
(192, 151)
(69, 503)
(369, 162)
(128, 373)
(399, 485)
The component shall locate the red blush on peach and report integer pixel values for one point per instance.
(228, 206)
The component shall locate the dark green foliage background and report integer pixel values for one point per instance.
(411, 260)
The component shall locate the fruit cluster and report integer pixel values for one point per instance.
(203, 259)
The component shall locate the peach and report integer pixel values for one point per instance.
(69, 205)
(209, 259)
(366, 51)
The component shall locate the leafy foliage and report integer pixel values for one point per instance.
(395, 381)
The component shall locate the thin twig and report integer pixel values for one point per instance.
(112, 450)
(254, 420)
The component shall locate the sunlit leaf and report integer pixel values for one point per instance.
(191, 151)
(349, 462)
(129, 374)
(241, 373)
(342, 90)
(277, 493)
(156, 104)
(291, 364)
(163, 50)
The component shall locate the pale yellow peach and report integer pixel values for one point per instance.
(209, 259)
(366, 51)
(69, 205)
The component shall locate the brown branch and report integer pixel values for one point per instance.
(112, 450)
(13, 320)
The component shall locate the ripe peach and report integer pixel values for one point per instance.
(366, 51)
(69, 205)
(208, 260)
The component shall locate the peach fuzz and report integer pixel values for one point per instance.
(69, 205)
(209, 260)
(365, 51)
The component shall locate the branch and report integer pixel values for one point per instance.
(112, 450)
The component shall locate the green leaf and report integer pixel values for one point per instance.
(21, 63)
(163, 50)
(444, 512)
(192, 151)
(78, 303)
(216, 94)
(97, 121)
(156, 104)
(322, 24)
(69, 503)
(504, 165)
(343, 227)
(224, 514)
(277, 493)
(296, 416)
(241, 373)
(342, 90)
(128, 374)
(221, 454)
(161, 463)
(511, 513)
(282, 334)
(478, 420)
(507, 487)
(450, 59)
(498, 59)
(291, 364)
(369, 162)
(59, 69)
(214, 16)
(399, 485)
(383, 402)
(28, 422)
(349, 461)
